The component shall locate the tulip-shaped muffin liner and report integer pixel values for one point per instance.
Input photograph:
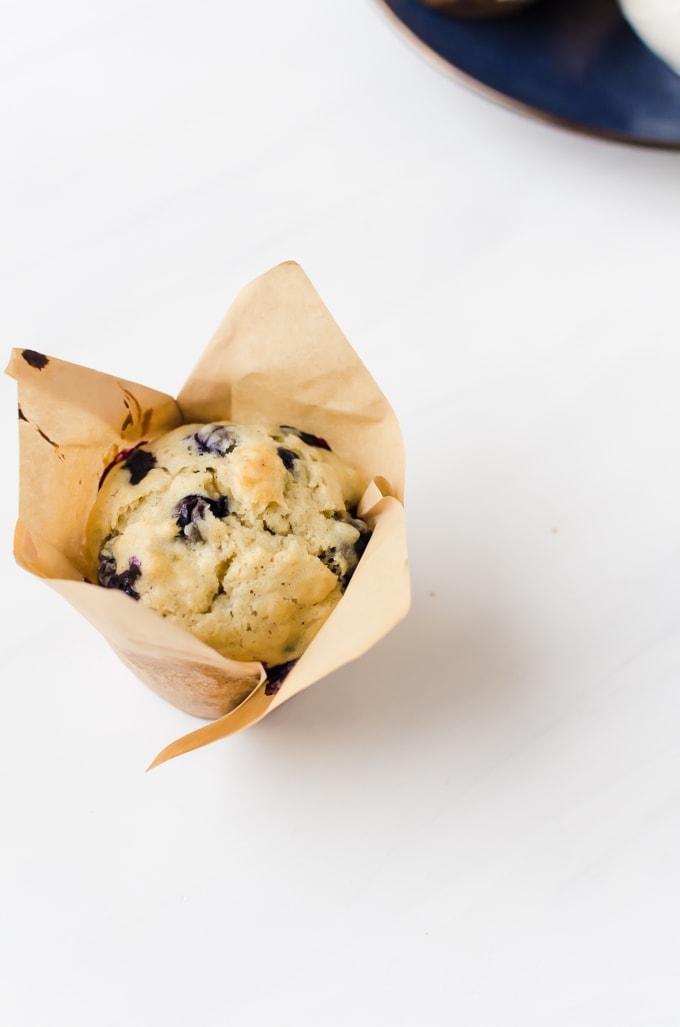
(278, 357)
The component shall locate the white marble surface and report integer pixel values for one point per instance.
(490, 837)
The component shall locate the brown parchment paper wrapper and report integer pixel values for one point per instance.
(278, 357)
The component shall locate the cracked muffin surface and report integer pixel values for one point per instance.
(244, 535)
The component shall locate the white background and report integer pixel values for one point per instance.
(479, 822)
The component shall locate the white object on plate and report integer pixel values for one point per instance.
(657, 23)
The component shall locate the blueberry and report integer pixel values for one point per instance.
(288, 457)
(139, 462)
(214, 438)
(219, 507)
(349, 554)
(124, 456)
(107, 568)
(311, 440)
(329, 558)
(361, 526)
(193, 508)
(364, 538)
(276, 676)
(108, 578)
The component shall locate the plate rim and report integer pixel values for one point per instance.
(474, 85)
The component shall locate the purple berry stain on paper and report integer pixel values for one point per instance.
(276, 676)
(35, 359)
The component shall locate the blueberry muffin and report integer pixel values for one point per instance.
(244, 535)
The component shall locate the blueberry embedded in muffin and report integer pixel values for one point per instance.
(287, 457)
(309, 440)
(192, 509)
(108, 576)
(219, 439)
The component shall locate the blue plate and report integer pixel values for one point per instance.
(576, 62)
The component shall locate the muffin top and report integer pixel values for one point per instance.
(245, 535)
